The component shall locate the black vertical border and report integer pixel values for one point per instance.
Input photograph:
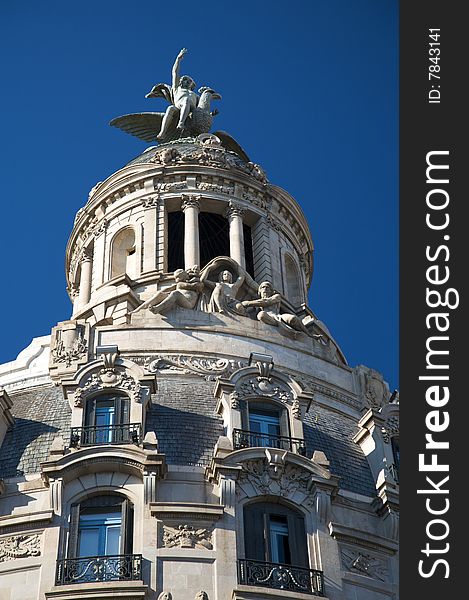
(426, 127)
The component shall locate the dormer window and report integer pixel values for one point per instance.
(266, 425)
(106, 421)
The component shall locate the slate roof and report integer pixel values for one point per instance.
(182, 414)
(40, 415)
(184, 420)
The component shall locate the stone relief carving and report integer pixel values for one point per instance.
(165, 596)
(205, 366)
(223, 297)
(274, 477)
(70, 348)
(151, 201)
(170, 186)
(365, 564)
(268, 311)
(109, 378)
(19, 546)
(391, 428)
(215, 187)
(186, 536)
(184, 293)
(374, 392)
(260, 386)
(201, 595)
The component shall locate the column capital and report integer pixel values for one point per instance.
(86, 256)
(190, 201)
(234, 210)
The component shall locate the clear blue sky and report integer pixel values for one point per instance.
(310, 90)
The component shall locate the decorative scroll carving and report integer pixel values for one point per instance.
(365, 564)
(186, 536)
(170, 186)
(189, 201)
(288, 479)
(208, 367)
(215, 187)
(201, 595)
(109, 378)
(262, 386)
(99, 228)
(19, 546)
(296, 409)
(151, 201)
(391, 428)
(234, 210)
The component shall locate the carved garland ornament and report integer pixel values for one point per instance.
(274, 477)
(109, 378)
(365, 564)
(186, 536)
(263, 386)
(19, 546)
(67, 355)
(205, 366)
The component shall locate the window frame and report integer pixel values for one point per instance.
(257, 532)
(101, 502)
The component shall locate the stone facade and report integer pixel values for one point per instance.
(137, 415)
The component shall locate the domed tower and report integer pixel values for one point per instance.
(193, 431)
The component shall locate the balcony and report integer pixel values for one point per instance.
(127, 433)
(248, 439)
(280, 577)
(90, 569)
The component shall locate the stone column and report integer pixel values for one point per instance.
(235, 214)
(84, 294)
(191, 208)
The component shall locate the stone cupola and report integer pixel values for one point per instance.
(178, 205)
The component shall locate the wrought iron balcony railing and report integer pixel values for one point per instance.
(249, 439)
(280, 577)
(88, 569)
(127, 433)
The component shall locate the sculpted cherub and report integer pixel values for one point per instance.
(184, 294)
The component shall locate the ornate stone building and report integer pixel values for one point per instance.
(193, 431)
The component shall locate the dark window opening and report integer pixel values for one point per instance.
(175, 241)
(248, 252)
(214, 236)
(275, 533)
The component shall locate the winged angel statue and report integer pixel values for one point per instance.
(188, 113)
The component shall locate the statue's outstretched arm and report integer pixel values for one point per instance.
(175, 72)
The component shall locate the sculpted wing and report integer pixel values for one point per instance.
(230, 143)
(145, 126)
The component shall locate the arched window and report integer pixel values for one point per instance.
(293, 281)
(106, 421)
(100, 542)
(123, 255)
